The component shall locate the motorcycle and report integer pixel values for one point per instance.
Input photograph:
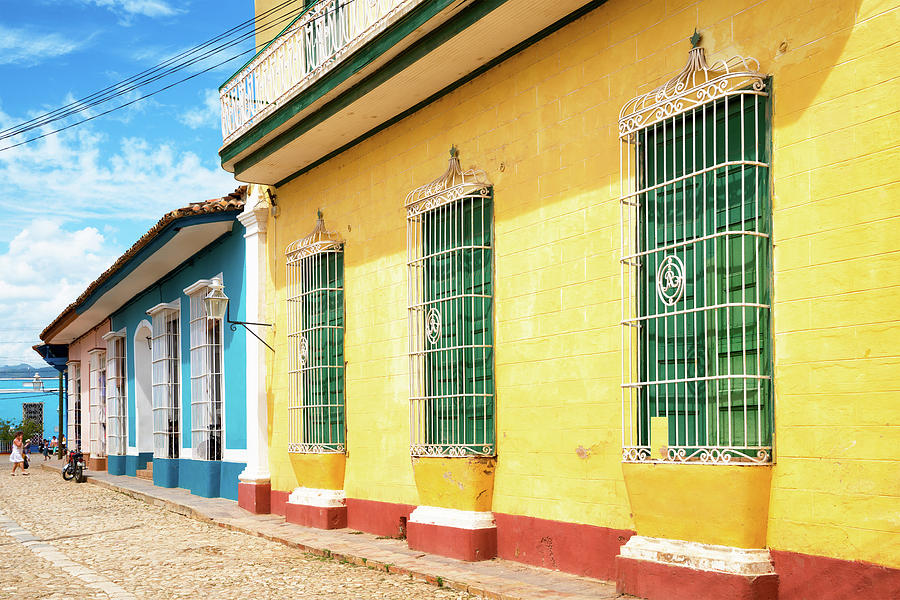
(75, 467)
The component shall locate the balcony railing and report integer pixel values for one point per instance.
(311, 46)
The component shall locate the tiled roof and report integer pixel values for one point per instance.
(233, 201)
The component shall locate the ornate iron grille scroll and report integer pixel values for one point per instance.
(116, 395)
(696, 266)
(315, 310)
(206, 380)
(450, 263)
(165, 348)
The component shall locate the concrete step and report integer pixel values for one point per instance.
(146, 473)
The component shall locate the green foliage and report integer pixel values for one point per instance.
(9, 427)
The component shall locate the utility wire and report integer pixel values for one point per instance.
(143, 97)
(122, 92)
(162, 69)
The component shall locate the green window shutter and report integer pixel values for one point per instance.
(458, 362)
(705, 360)
(322, 326)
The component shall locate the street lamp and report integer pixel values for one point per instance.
(216, 304)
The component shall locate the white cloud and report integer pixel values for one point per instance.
(206, 115)
(26, 47)
(65, 199)
(44, 268)
(72, 176)
(147, 8)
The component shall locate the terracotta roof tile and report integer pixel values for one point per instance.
(233, 201)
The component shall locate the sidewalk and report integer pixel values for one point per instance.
(496, 579)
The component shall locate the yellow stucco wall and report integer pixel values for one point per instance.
(543, 127)
(271, 23)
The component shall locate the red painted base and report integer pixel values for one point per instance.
(255, 497)
(462, 544)
(320, 517)
(656, 581)
(278, 501)
(571, 547)
(803, 576)
(381, 518)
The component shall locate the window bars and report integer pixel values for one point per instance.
(696, 267)
(166, 392)
(74, 397)
(206, 377)
(315, 312)
(450, 262)
(115, 394)
(97, 399)
(34, 411)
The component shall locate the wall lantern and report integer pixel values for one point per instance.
(216, 301)
(216, 304)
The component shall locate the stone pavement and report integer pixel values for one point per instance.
(490, 579)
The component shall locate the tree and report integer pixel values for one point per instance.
(9, 427)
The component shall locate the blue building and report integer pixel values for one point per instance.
(165, 390)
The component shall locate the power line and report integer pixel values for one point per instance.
(145, 76)
(121, 91)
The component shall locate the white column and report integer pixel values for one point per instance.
(254, 219)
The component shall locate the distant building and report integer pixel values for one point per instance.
(156, 384)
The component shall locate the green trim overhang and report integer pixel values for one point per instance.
(389, 38)
(328, 97)
(160, 240)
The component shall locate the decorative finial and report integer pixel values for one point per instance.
(319, 214)
(695, 39)
(454, 151)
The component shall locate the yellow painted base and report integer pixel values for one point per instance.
(320, 471)
(460, 483)
(711, 504)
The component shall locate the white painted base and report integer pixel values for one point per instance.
(706, 557)
(317, 497)
(450, 517)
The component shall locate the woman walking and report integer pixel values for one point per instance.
(16, 456)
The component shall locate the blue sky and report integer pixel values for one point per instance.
(73, 202)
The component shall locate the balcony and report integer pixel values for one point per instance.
(345, 68)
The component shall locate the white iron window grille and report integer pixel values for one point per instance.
(97, 375)
(34, 411)
(206, 377)
(73, 390)
(696, 266)
(116, 398)
(165, 380)
(315, 311)
(450, 263)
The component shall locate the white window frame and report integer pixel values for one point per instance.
(73, 434)
(116, 393)
(97, 399)
(166, 379)
(207, 376)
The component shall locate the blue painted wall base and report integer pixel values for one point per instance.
(210, 478)
(134, 463)
(165, 472)
(115, 465)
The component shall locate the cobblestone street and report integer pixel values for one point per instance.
(148, 552)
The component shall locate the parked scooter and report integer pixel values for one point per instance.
(75, 467)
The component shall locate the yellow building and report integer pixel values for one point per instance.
(643, 326)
